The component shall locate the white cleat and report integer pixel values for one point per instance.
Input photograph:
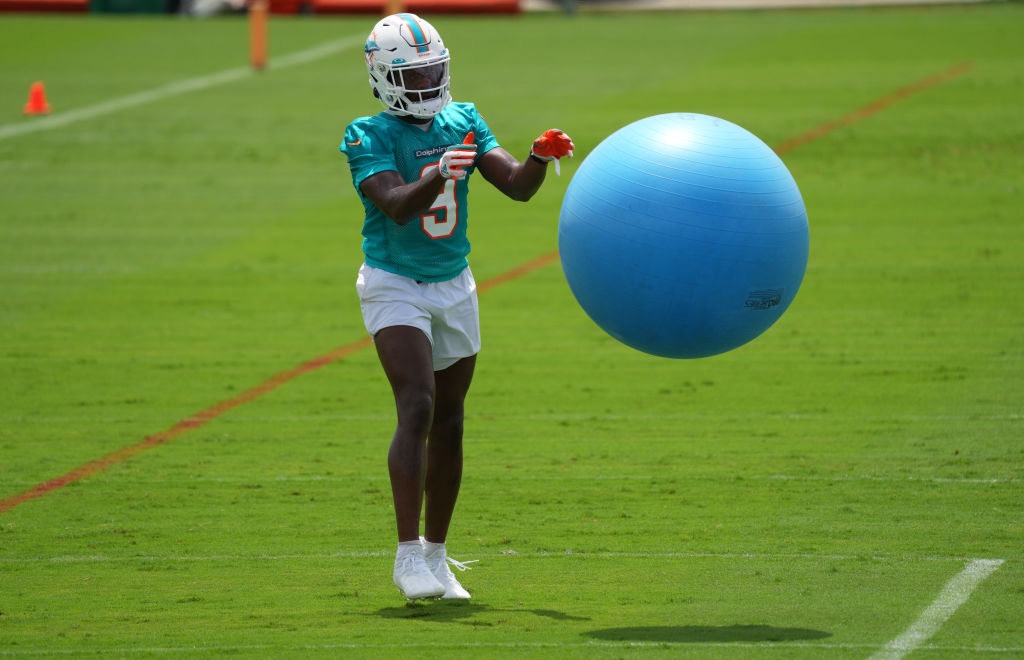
(440, 563)
(414, 579)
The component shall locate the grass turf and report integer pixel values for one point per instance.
(805, 496)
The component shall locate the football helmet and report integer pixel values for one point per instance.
(408, 66)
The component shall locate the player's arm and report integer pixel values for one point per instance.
(515, 179)
(401, 201)
(404, 202)
(520, 180)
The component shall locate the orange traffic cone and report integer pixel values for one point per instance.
(37, 104)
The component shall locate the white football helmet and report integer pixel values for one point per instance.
(408, 66)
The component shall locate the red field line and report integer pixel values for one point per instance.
(187, 424)
(874, 107)
(518, 271)
(202, 418)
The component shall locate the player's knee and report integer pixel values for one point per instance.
(415, 411)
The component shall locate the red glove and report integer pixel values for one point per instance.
(552, 145)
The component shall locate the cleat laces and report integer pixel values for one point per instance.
(408, 563)
(461, 565)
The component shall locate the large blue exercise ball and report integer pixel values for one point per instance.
(683, 235)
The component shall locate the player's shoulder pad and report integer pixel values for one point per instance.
(364, 135)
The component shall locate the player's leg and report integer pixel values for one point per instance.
(405, 354)
(444, 471)
(444, 447)
(455, 329)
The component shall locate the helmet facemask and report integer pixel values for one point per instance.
(419, 90)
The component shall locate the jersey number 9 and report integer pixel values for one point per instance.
(443, 214)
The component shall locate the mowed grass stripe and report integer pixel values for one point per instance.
(583, 476)
(196, 84)
(202, 418)
(626, 644)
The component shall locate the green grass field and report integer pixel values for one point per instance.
(813, 494)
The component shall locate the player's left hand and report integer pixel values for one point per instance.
(457, 158)
(553, 145)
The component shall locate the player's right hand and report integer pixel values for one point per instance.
(552, 145)
(456, 158)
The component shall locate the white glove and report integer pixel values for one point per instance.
(455, 159)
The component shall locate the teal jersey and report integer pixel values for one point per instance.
(432, 248)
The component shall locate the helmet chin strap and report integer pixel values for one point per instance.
(391, 110)
(403, 113)
(408, 116)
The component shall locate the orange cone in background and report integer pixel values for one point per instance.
(37, 104)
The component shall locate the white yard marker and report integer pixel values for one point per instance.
(953, 595)
(174, 89)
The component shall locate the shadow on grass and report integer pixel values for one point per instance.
(696, 634)
(459, 612)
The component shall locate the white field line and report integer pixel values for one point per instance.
(871, 477)
(953, 595)
(577, 476)
(173, 89)
(508, 553)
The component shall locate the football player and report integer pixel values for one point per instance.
(411, 165)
